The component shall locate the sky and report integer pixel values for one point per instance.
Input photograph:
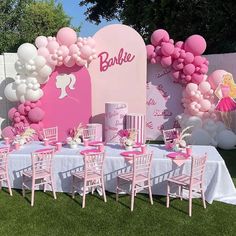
(72, 8)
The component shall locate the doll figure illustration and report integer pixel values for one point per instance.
(226, 92)
(63, 81)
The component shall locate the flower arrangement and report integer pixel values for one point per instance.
(75, 136)
(127, 138)
(24, 136)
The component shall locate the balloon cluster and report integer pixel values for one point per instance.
(35, 65)
(198, 100)
(185, 57)
(27, 114)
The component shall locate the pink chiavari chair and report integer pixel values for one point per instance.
(4, 151)
(91, 176)
(41, 172)
(89, 133)
(193, 182)
(138, 177)
(51, 134)
(170, 135)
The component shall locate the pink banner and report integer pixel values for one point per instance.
(137, 122)
(114, 120)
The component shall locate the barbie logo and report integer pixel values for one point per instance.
(106, 61)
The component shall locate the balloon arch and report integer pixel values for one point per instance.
(189, 68)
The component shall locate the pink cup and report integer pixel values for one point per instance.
(189, 151)
(86, 142)
(143, 149)
(7, 141)
(101, 148)
(46, 142)
(17, 146)
(59, 145)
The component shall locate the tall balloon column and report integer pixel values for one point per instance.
(34, 66)
(189, 68)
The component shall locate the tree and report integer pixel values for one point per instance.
(215, 20)
(23, 20)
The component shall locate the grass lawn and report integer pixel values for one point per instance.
(65, 216)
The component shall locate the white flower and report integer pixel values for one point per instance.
(129, 142)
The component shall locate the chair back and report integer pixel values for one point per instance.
(170, 135)
(51, 134)
(142, 165)
(42, 160)
(89, 133)
(94, 163)
(3, 158)
(198, 168)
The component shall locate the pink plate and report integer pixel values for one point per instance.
(95, 143)
(178, 155)
(137, 145)
(130, 153)
(89, 151)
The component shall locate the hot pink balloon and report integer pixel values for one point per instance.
(189, 69)
(11, 113)
(66, 36)
(8, 132)
(176, 75)
(21, 109)
(179, 44)
(195, 44)
(36, 114)
(198, 60)
(216, 77)
(167, 49)
(150, 49)
(36, 127)
(197, 78)
(189, 57)
(166, 61)
(158, 36)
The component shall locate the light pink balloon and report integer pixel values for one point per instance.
(166, 61)
(150, 49)
(86, 51)
(204, 87)
(198, 60)
(17, 119)
(189, 69)
(167, 49)
(52, 46)
(205, 105)
(11, 113)
(153, 61)
(41, 41)
(8, 132)
(158, 36)
(66, 36)
(43, 52)
(197, 78)
(69, 61)
(36, 114)
(73, 49)
(91, 42)
(191, 87)
(65, 50)
(216, 77)
(195, 44)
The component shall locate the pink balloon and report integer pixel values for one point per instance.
(197, 78)
(21, 109)
(27, 103)
(198, 60)
(189, 69)
(11, 113)
(66, 36)
(41, 41)
(153, 61)
(205, 105)
(177, 66)
(195, 44)
(52, 46)
(158, 36)
(204, 87)
(36, 114)
(73, 49)
(8, 132)
(17, 114)
(189, 57)
(38, 103)
(204, 69)
(36, 127)
(69, 61)
(27, 108)
(176, 53)
(86, 51)
(43, 52)
(167, 49)
(65, 51)
(216, 77)
(17, 119)
(166, 61)
(191, 87)
(179, 44)
(176, 75)
(150, 49)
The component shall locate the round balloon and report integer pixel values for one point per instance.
(26, 52)
(66, 36)
(195, 44)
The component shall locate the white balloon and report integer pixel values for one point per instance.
(33, 95)
(45, 71)
(32, 80)
(21, 89)
(26, 52)
(194, 121)
(10, 92)
(201, 137)
(226, 139)
(39, 61)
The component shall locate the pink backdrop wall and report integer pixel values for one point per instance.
(163, 101)
(73, 108)
(122, 78)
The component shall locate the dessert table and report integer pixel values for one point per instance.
(218, 182)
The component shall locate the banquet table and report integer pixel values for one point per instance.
(218, 182)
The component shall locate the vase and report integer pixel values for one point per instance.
(73, 145)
